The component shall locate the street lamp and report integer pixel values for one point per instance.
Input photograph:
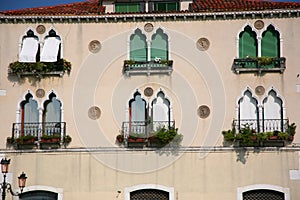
(7, 186)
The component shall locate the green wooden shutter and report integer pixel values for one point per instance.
(138, 46)
(270, 43)
(247, 43)
(166, 6)
(159, 45)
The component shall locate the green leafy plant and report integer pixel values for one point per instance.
(165, 136)
(67, 139)
(40, 67)
(229, 135)
(292, 129)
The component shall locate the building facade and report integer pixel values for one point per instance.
(152, 100)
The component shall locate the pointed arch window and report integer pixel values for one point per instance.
(247, 43)
(272, 112)
(29, 116)
(29, 48)
(52, 48)
(270, 43)
(248, 111)
(159, 45)
(138, 46)
(160, 111)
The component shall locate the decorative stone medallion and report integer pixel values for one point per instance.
(94, 46)
(40, 93)
(203, 111)
(148, 27)
(259, 24)
(203, 44)
(148, 92)
(41, 29)
(259, 90)
(94, 112)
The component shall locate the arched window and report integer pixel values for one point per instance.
(270, 43)
(160, 111)
(52, 109)
(272, 112)
(29, 116)
(247, 43)
(159, 45)
(149, 194)
(137, 108)
(248, 111)
(52, 116)
(261, 194)
(52, 48)
(138, 46)
(29, 48)
(39, 195)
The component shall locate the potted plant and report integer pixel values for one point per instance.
(292, 131)
(67, 139)
(120, 138)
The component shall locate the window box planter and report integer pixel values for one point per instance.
(40, 69)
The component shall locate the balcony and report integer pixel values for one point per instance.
(260, 133)
(38, 135)
(132, 67)
(39, 69)
(149, 134)
(259, 65)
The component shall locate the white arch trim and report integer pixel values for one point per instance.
(58, 191)
(127, 190)
(265, 96)
(241, 190)
(24, 34)
(277, 29)
(238, 36)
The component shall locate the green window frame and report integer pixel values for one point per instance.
(159, 45)
(138, 46)
(247, 43)
(270, 43)
(128, 7)
(166, 6)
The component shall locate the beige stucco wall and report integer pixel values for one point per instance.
(82, 175)
(199, 78)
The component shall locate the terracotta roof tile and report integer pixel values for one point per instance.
(91, 7)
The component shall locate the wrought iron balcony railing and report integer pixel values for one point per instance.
(144, 128)
(148, 67)
(266, 125)
(259, 65)
(36, 131)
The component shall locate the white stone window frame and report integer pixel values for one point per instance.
(58, 191)
(259, 37)
(148, 40)
(241, 190)
(128, 190)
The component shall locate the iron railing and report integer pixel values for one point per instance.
(261, 125)
(254, 65)
(147, 67)
(144, 128)
(38, 129)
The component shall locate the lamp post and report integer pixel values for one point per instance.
(7, 186)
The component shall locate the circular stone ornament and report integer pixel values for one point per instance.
(41, 29)
(94, 112)
(259, 90)
(203, 111)
(40, 93)
(148, 92)
(94, 46)
(148, 27)
(203, 44)
(259, 24)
